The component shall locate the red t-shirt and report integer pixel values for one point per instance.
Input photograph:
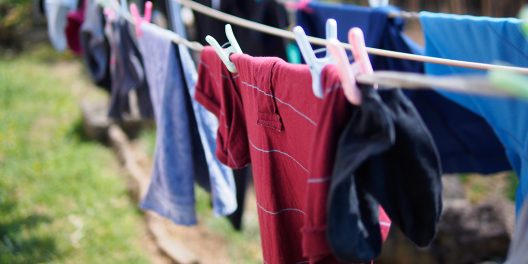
(269, 117)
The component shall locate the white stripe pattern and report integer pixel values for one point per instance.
(383, 223)
(281, 210)
(282, 102)
(318, 180)
(280, 152)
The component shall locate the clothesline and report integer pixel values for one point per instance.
(399, 14)
(319, 41)
(404, 14)
(176, 38)
(475, 85)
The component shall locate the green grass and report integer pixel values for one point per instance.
(243, 247)
(61, 197)
(512, 184)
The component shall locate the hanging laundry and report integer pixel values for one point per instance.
(318, 201)
(466, 143)
(269, 117)
(385, 147)
(75, 20)
(223, 186)
(160, 12)
(96, 50)
(179, 159)
(56, 13)
(353, 226)
(254, 43)
(130, 97)
(486, 40)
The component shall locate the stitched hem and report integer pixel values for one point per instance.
(207, 102)
(223, 157)
(180, 214)
(314, 243)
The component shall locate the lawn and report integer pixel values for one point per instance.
(62, 198)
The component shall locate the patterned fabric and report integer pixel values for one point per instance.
(270, 118)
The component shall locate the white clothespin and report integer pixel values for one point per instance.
(316, 64)
(224, 53)
(378, 3)
(123, 4)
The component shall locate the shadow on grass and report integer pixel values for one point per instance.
(77, 132)
(19, 239)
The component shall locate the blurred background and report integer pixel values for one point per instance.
(67, 195)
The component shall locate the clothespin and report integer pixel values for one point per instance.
(109, 14)
(138, 20)
(123, 4)
(300, 5)
(347, 72)
(356, 40)
(378, 3)
(225, 53)
(316, 64)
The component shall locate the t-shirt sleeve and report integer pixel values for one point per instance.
(217, 91)
(334, 115)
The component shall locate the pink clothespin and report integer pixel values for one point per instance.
(138, 20)
(347, 73)
(300, 5)
(109, 13)
(357, 42)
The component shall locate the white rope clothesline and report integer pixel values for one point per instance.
(474, 85)
(319, 41)
(176, 38)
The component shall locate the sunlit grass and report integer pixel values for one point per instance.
(62, 198)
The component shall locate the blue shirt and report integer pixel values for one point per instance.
(223, 187)
(486, 40)
(178, 159)
(466, 143)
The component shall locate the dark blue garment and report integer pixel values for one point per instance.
(486, 40)
(385, 157)
(465, 141)
(127, 74)
(223, 184)
(179, 159)
(96, 50)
